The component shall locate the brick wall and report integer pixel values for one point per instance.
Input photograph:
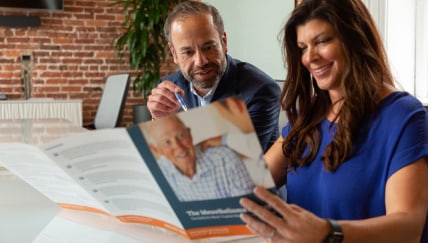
(72, 53)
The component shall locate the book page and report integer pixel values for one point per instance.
(34, 167)
(107, 164)
(78, 226)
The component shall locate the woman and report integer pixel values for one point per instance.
(354, 153)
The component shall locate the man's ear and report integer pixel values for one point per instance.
(172, 50)
(224, 42)
(154, 149)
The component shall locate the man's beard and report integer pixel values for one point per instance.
(206, 83)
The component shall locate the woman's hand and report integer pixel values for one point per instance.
(293, 225)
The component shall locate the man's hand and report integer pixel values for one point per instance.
(162, 100)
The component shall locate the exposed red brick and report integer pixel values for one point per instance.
(72, 52)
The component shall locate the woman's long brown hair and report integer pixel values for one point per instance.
(306, 105)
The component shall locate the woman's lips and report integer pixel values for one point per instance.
(321, 70)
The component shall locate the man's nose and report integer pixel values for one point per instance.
(200, 59)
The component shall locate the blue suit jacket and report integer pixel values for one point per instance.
(259, 91)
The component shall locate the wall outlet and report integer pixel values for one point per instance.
(25, 58)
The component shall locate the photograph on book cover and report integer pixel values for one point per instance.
(194, 173)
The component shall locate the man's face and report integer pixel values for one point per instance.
(174, 141)
(198, 50)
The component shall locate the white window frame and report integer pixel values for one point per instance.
(405, 30)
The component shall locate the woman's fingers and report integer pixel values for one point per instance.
(261, 212)
(265, 222)
(275, 203)
(259, 227)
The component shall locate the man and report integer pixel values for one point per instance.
(193, 174)
(198, 44)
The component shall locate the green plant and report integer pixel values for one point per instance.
(144, 40)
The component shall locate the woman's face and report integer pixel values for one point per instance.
(322, 55)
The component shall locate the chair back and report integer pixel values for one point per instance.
(111, 105)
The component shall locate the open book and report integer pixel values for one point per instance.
(136, 174)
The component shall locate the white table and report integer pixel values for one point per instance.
(26, 216)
